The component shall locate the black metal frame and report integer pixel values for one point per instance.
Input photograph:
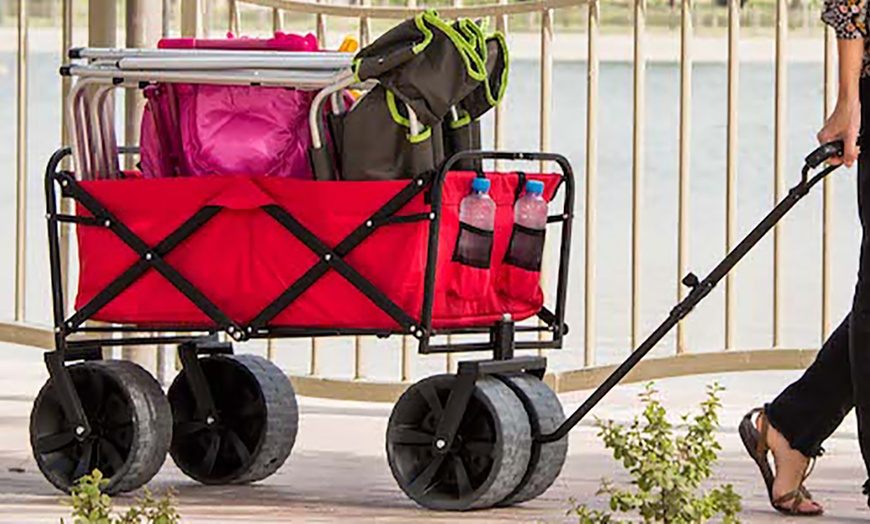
(470, 371)
(330, 258)
(501, 334)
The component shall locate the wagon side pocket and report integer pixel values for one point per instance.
(472, 257)
(520, 275)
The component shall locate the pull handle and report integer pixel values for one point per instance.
(824, 152)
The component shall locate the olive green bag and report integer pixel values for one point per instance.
(435, 69)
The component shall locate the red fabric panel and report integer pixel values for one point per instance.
(243, 259)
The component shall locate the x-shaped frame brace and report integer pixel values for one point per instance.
(330, 258)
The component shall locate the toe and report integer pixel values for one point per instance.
(806, 507)
(809, 506)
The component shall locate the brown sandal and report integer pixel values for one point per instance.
(755, 443)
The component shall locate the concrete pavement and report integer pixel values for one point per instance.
(338, 470)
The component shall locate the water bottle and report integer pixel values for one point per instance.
(474, 248)
(531, 210)
(478, 211)
(526, 249)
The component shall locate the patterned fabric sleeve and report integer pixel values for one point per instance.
(847, 17)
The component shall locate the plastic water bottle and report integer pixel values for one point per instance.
(526, 249)
(531, 210)
(474, 247)
(478, 209)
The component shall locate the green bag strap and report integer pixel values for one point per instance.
(475, 36)
(463, 120)
(496, 98)
(466, 45)
(403, 121)
(469, 40)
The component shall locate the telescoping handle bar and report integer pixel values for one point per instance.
(702, 288)
(822, 153)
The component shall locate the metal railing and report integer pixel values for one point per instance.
(682, 361)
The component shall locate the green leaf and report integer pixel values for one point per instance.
(666, 467)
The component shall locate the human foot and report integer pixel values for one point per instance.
(791, 465)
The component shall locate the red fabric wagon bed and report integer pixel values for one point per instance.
(243, 258)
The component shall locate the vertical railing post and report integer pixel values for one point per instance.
(779, 136)
(546, 108)
(143, 22)
(142, 29)
(65, 203)
(591, 182)
(637, 162)
(499, 133)
(731, 162)
(277, 26)
(314, 362)
(21, 165)
(408, 344)
(234, 18)
(165, 31)
(166, 22)
(828, 187)
(320, 27)
(277, 20)
(547, 16)
(103, 32)
(685, 148)
(365, 27)
(320, 22)
(191, 18)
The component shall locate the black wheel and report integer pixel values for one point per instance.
(487, 459)
(255, 427)
(130, 427)
(545, 412)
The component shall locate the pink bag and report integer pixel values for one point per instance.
(213, 130)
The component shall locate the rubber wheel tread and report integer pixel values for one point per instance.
(151, 426)
(282, 418)
(516, 439)
(545, 412)
(510, 454)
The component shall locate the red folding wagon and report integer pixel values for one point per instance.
(270, 201)
(177, 252)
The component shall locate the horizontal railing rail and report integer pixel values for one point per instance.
(389, 12)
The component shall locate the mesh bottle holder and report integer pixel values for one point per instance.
(473, 246)
(526, 248)
(520, 273)
(471, 261)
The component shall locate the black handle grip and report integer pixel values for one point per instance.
(824, 152)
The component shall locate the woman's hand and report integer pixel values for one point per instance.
(844, 124)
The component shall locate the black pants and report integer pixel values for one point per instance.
(809, 410)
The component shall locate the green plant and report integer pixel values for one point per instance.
(666, 469)
(91, 506)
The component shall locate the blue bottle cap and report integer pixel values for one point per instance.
(535, 186)
(480, 184)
